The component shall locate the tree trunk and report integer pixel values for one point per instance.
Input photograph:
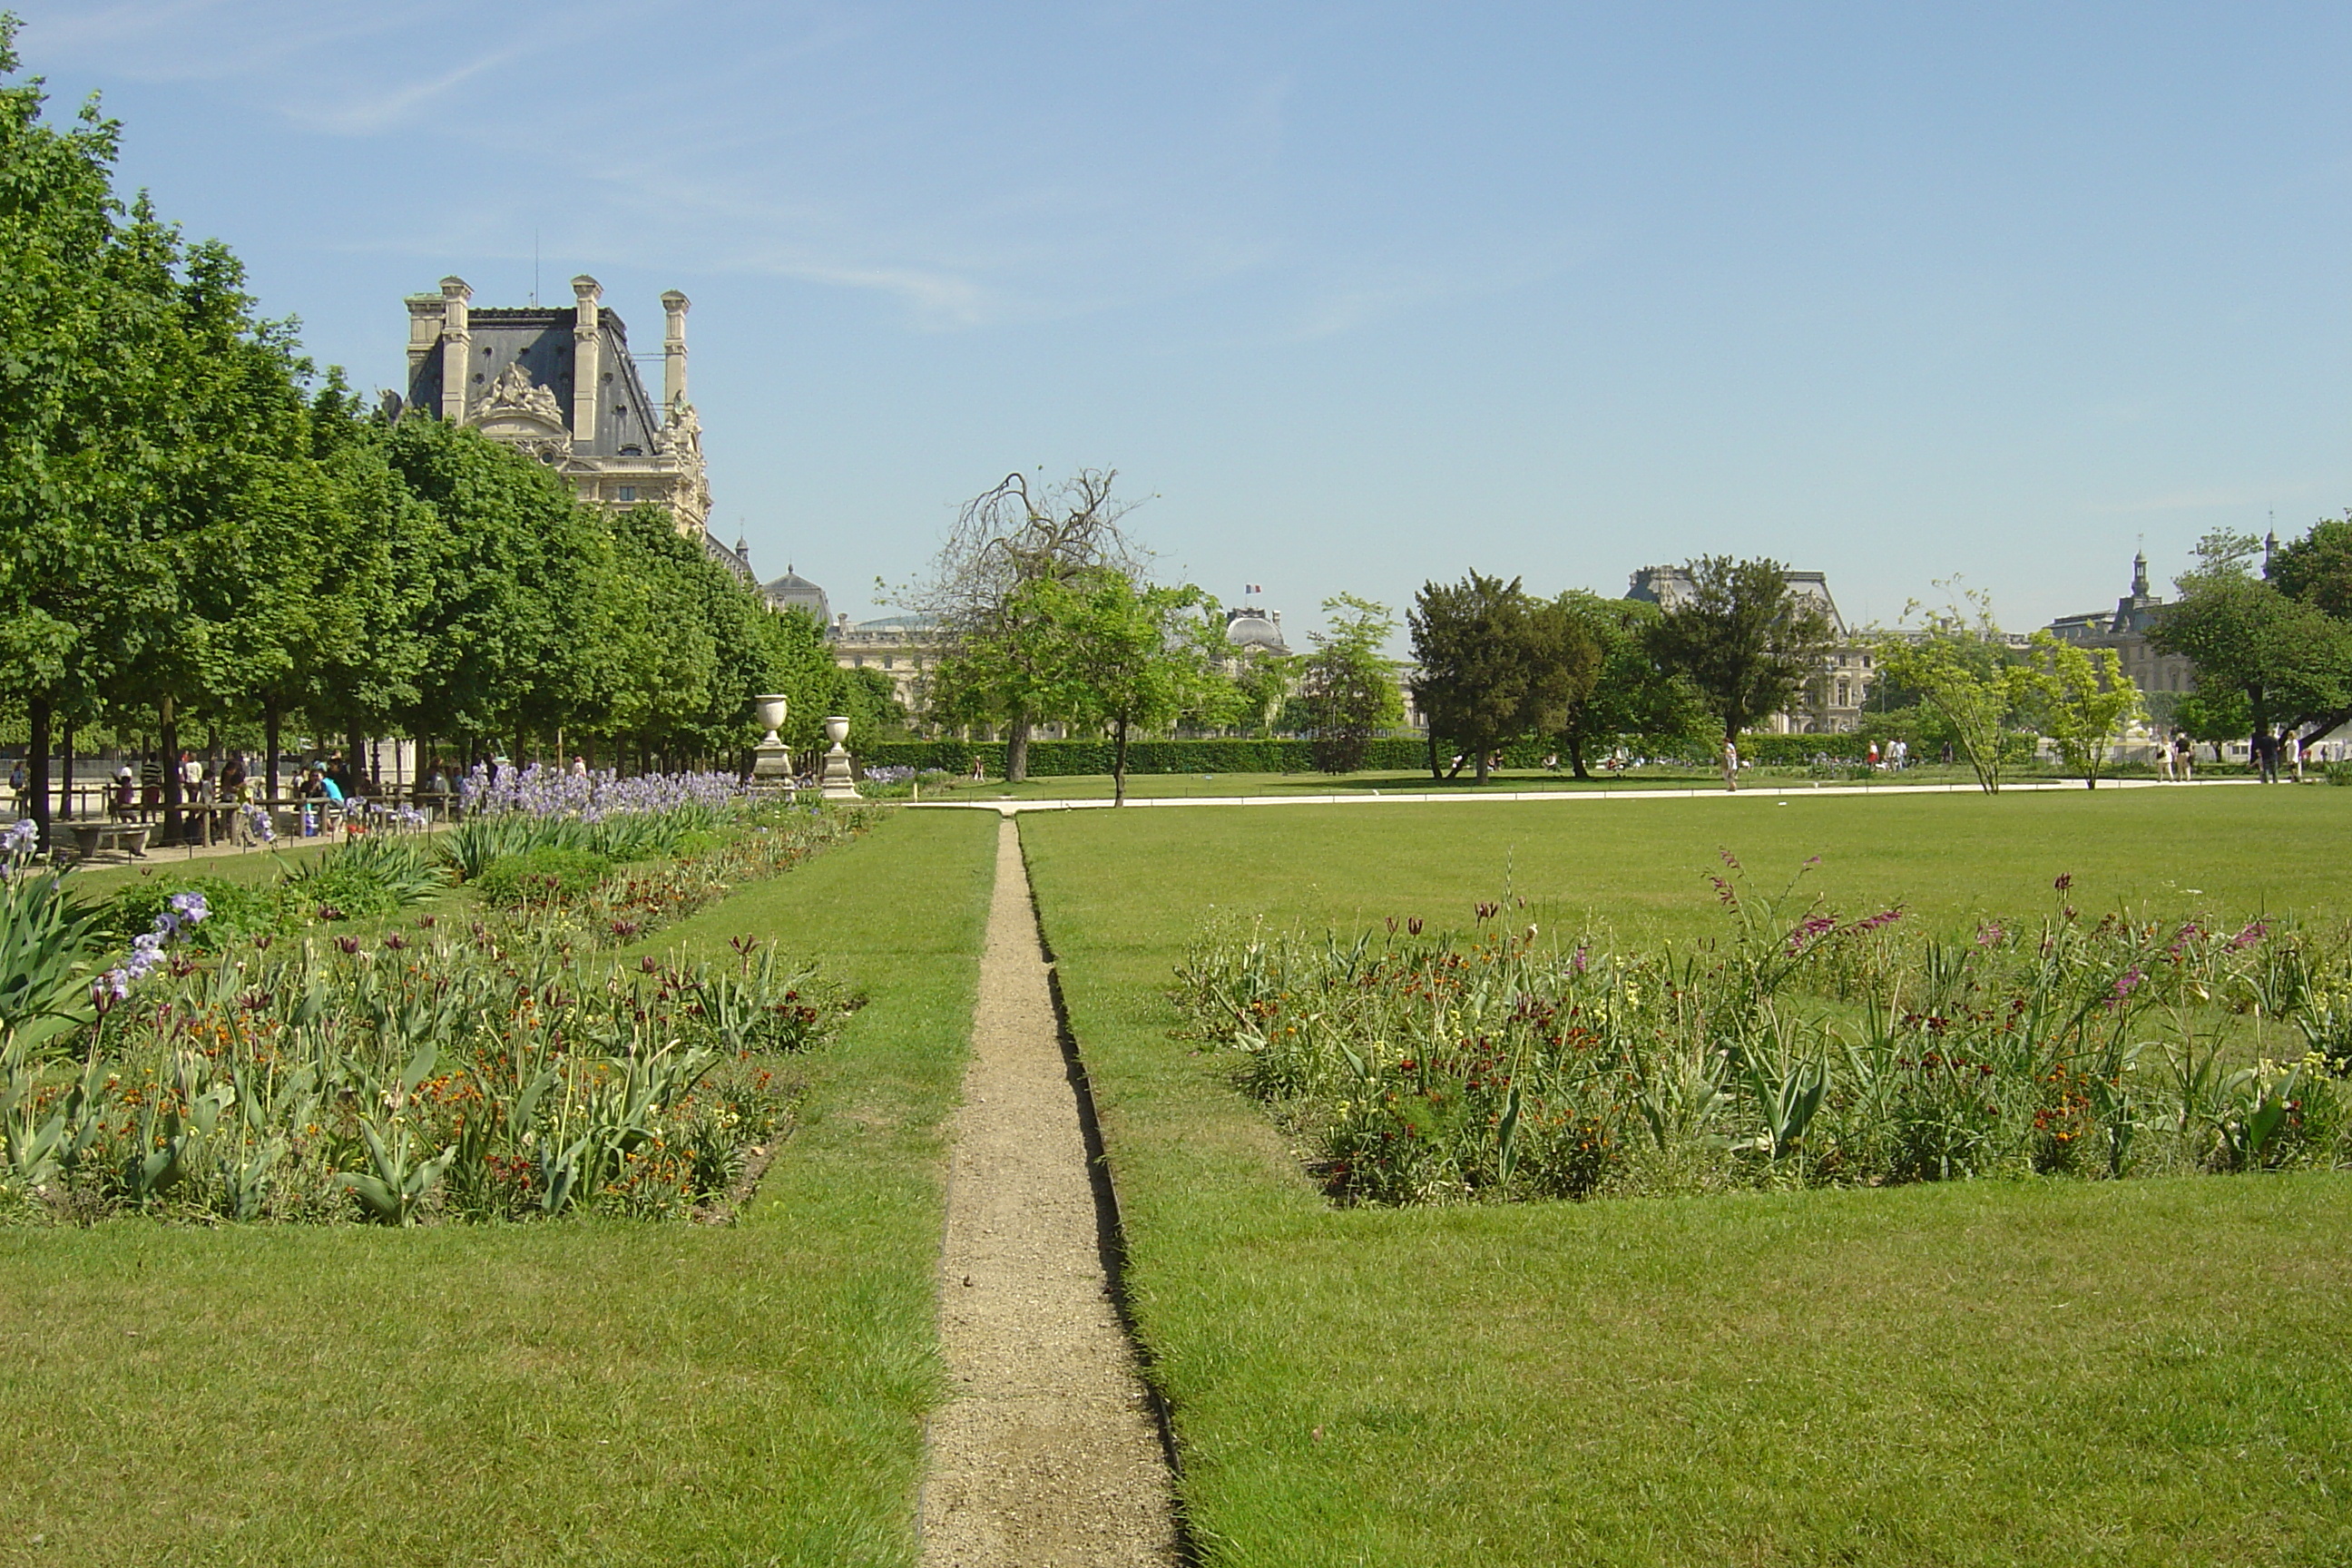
(1484, 769)
(1435, 771)
(1016, 748)
(167, 740)
(65, 791)
(269, 743)
(1118, 766)
(1576, 758)
(355, 779)
(36, 775)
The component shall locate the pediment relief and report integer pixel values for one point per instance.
(514, 406)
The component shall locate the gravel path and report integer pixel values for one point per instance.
(1048, 1456)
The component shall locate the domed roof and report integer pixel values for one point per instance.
(1247, 626)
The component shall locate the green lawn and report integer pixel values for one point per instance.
(585, 1392)
(2132, 1373)
(1098, 786)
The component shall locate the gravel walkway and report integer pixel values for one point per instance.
(1048, 1456)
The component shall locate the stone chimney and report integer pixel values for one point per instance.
(426, 312)
(587, 357)
(456, 348)
(674, 306)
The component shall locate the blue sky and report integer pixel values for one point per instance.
(1360, 294)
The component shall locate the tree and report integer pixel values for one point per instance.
(2082, 699)
(1959, 666)
(1121, 657)
(1631, 698)
(1746, 642)
(143, 403)
(1474, 642)
(2317, 567)
(2290, 661)
(993, 660)
(2216, 715)
(1262, 680)
(1347, 687)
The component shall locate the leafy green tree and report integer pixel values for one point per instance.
(1960, 668)
(2081, 699)
(1748, 643)
(514, 560)
(1632, 700)
(143, 403)
(2317, 567)
(1123, 657)
(2290, 660)
(1474, 644)
(1347, 687)
(1263, 683)
(997, 656)
(2216, 715)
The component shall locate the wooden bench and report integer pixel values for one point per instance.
(96, 837)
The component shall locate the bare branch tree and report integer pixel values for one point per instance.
(1006, 538)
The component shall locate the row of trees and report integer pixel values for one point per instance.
(1043, 618)
(202, 529)
(1496, 664)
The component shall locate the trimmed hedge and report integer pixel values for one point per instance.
(1062, 759)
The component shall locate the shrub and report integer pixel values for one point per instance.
(470, 846)
(2339, 773)
(236, 909)
(364, 879)
(546, 875)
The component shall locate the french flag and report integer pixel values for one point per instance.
(1253, 587)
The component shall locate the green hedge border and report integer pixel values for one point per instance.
(1064, 759)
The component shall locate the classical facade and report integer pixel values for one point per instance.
(558, 383)
(2125, 629)
(903, 647)
(793, 592)
(1835, 702)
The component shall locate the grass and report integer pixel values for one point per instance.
(573, 1393)
(2011, 1372)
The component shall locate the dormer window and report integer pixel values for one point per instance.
(633, 451)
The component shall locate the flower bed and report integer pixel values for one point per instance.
(262, 1063)
(1807, 1049)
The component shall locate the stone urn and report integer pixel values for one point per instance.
(771, 762)
(836, 730)
(770, 712)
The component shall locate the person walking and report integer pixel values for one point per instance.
(2266, 752)
(1730, 765)
(2294, 755)
(2164, 762)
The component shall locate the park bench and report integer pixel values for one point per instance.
(94, 838)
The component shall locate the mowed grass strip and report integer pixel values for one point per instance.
(582, 1391)
(2035, 1372)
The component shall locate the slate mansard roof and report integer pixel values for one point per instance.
(540, 339)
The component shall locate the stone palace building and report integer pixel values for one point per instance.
(559, 384)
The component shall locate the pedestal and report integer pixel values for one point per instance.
(838, 783)
(771, 765)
